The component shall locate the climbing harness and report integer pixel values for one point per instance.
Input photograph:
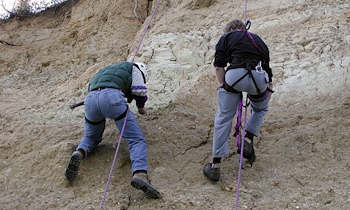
(126, 114)
(230, 88)
(94, 123)
(249, 65)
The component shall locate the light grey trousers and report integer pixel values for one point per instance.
(228, 104)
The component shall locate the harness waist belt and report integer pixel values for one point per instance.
(242, 62)
(101, 88)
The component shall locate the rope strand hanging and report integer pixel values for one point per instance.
(145, 31)
(240, 136)
(125, 120)
(73, 106)
(245, 11)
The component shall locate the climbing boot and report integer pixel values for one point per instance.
(140, 181)
(248, 151)
(73, 166)
(212, 173)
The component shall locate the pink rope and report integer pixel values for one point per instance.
(145, 31)
(123, 128)
(241, 135)
(137, 48)
(113, 164)
(245, 11)
(241, 156)
(237, 133)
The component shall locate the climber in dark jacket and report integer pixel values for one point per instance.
(248, 71)
(106, 99)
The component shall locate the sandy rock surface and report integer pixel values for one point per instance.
(303, 146)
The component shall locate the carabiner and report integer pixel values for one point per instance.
(247, 25)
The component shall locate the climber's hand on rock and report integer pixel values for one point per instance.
(142, 110)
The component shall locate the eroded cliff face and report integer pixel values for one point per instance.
(302, 147)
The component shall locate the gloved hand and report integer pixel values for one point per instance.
(142, 111)
(140, 102)
(269, 88)
(270, 85)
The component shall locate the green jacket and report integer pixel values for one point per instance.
(117, 76)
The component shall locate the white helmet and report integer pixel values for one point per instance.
(143, 68)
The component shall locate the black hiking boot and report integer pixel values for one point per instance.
(248, 151)
(140, 181)
(212, 173)
(73, 166)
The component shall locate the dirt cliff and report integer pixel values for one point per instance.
(302, 160)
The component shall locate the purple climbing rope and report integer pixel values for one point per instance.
(125, 119)
(242, 135)
(113, 164)
(239, 135)
(137, 48)
(145, 31)
(245, 11)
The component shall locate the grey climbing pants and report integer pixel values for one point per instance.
(228, 103)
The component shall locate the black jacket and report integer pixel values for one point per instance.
(235, 48)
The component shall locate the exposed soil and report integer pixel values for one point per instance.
(302, 160)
